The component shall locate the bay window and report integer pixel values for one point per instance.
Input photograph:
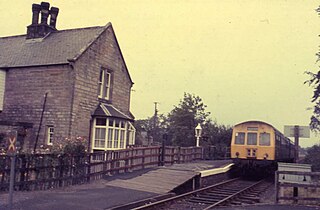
(112, 134)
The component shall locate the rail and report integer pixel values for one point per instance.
(218, 194)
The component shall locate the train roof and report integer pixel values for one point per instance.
(257, 121)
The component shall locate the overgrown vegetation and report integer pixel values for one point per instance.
(179, 126)
(313, 157)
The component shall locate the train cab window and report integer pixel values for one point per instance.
(252, 139)
(264, 139)
(240, 138)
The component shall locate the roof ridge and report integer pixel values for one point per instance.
(70, 29)
(73, 29)
(14, 36)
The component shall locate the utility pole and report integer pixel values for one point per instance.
(155, 119)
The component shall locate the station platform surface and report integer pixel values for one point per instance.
(164, 179)
(112, 191)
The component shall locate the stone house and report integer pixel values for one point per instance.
(57, 84)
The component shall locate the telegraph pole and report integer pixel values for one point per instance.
(155, 118)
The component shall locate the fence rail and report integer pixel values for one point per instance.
(46, 171)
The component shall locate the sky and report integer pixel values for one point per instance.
(245, 59)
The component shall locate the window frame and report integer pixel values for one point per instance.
(116, 133)
(266, 145)
(50, 134)
(244, 137)
(105, 84)
(256, 140)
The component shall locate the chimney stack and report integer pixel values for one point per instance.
(40, 30)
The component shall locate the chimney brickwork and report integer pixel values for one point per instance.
(40, 30)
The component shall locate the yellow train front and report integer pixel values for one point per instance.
(256, 144)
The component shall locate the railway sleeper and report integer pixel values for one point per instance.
(217, 194)
(244, 201)
(212, 196)
(250, 196)
(224, 191)
(235, 203)
(202, 200)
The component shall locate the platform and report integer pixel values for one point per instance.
(112, 191)
(164, 179)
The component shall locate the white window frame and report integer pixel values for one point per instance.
(50, 134)
(131, 134)
(118, 134)
(104, 84)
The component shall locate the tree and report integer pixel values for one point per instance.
(183, 119)
(218, 136)
(152, 128)
(314, 82)
(313, 157)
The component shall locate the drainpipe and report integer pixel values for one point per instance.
(40, 123)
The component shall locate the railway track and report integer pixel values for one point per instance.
(231, 192)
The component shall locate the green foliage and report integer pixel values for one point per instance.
(69, 146)
(218, 136)
(314, 82)
(183, 119)
(313, 157)
(154, 128)
(180, 125)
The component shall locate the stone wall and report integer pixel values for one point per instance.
(24, 98)
(103, 53)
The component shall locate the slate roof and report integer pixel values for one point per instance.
(107, 110)
(56, 48)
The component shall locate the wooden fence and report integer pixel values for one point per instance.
(46, 171)
(297, 187)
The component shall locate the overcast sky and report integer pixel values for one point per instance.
(245, 59)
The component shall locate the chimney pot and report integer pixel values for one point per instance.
(44, 12)
(53, 16)
(35, 13)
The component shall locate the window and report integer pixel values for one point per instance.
(111, 133)
(264, 139)
(131, 134)
(50, 132)
(252, 139)
(100, 140)
(104, 84)
(240, 138)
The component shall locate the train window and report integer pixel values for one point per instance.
(252, 139)
(264, 139)
(252, 128)
(240, 138)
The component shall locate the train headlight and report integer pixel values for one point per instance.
(237, 154)
(265, 156)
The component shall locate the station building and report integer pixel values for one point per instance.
(58, 84)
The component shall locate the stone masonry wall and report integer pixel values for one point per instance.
(24, 97)
(104, 53)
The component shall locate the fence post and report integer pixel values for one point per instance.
(61, 171)
(143, 156)
(162, 153)
(276, 180)
(22, 171)
(88, 167)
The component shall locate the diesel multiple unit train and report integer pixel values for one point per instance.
(258, 144)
